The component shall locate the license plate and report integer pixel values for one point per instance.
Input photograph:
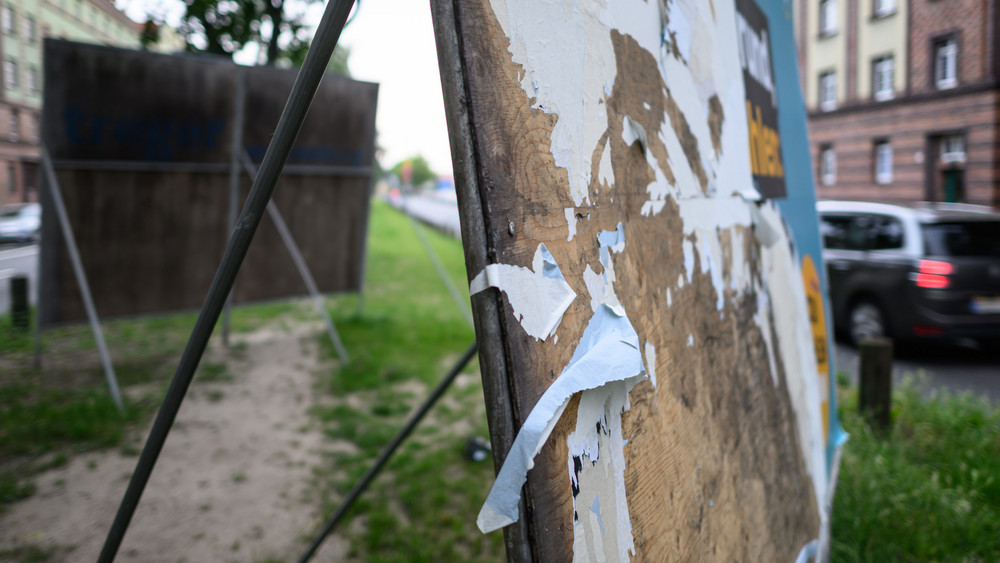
(985, 305)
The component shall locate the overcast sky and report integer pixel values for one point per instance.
(391, 43)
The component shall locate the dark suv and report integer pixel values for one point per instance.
(923, 271)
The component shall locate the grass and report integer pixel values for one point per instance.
(929, 490)
(424, 504)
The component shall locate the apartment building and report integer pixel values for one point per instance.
(902, 98)
(23, 25)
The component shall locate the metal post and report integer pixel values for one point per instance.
(20, 311)
(383, 457)
(236, 149)
(303, 91)
(81, 277)
(875, 393)
(302, 267)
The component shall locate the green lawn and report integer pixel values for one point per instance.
(929, 490)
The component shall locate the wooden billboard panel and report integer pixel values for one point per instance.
(655, 340)
(142, 146)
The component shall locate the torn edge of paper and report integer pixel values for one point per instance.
(608, 351)
(539, 296)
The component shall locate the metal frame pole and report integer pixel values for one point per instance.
(456, 295)
(386, 453)
(236, 149)
(299, 100)
(301, 266)
(81, 277)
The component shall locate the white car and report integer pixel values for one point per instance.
(20, 222)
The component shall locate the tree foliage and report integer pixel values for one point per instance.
(224, 27)
(417, 168)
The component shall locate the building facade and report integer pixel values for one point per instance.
(23, 25)
(902, 98)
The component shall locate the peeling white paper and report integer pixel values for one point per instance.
(608, 351)
(539, 297)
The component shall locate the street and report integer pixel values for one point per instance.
(947, 366)
(16, 261)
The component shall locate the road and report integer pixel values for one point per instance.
(434, 210)
(16, 261)
(947, 366)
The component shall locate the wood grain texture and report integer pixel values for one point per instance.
(714, 469)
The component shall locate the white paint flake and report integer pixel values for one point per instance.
(538, 296)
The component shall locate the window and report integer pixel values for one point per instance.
(885, 233)
(828, 91)
(11, 182)
(29, 29)
(827, 165)
(883, 8)
(32, 79)
(882, 79)
(827, 17)
(945, 63)
(15, 125)
(10, 73)
(952, 149)
(883, 162)
(7, 20)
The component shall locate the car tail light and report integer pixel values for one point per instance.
(933, 274)
(927, 330)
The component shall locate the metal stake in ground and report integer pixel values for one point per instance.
(383, 457)
(306, 84)
(52, 182)
(301, 266)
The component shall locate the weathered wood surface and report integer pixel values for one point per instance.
(151, 242)
(714, 466)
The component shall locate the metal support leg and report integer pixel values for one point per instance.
(299, 100)
(301, 266)
(390, 449)
(236, 150)
(456, 295)
(81, 277)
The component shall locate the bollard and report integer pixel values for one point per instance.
(875, 394)
(20, 313)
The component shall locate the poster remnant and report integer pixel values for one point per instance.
(646, 151)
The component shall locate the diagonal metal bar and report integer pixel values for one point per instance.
(55, 192)
(306, 84)
(301, 266)
(235, 151)
(442, 272)
(383, 457)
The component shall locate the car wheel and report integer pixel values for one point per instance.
(866, 320)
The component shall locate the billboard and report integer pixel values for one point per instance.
(639, 223)
(142, 145)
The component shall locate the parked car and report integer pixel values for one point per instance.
(926, 271)
(20, 222)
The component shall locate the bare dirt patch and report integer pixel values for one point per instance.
(231, 483)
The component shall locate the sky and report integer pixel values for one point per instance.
(391, 43)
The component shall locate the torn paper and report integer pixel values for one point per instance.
(608, 351)
(539, 296)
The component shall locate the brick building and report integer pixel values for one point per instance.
(23, 25)
(902, 98)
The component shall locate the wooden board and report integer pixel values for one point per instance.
(152, 241)
(719, 451)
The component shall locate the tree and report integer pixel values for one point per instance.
(224, 27)
(417, 168)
